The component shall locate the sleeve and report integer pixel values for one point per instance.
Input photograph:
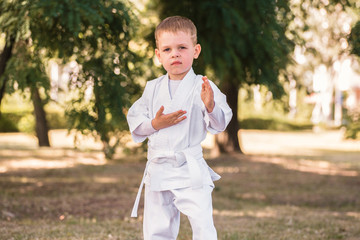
(219, 118)
(145, 129)
(138, 117)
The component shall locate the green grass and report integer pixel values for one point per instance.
(257, 198)
(273, 124)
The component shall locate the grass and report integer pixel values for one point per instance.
(311, 194)
(273, 124)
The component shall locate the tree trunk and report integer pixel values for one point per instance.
(40, 116)
(228, 141)
(4, 57)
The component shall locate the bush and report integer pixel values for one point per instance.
(352, 124)
(7, 125)
(25, 121)
(272, 124)
(56, 120)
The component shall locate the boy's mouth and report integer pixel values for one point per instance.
(176, 63)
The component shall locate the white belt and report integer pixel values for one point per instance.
(190, 155)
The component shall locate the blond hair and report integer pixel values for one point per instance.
(174, 24)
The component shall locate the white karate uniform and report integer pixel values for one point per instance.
(176, 169)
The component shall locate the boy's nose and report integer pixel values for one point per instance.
(176, 53)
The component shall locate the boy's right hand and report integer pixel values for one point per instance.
(162, 120)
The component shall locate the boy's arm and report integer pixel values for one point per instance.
(207, 95)
(139, 118)
(218, 113)
(217, 119)
(138, 115)
(145, 129)
(160, 121)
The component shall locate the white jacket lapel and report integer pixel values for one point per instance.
(183, 91)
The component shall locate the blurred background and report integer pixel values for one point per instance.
(289, 159)
(79, 65)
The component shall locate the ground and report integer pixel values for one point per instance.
(287, 185)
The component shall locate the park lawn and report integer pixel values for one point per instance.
(259, 197)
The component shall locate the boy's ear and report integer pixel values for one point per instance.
(197, 51)
(157, 53)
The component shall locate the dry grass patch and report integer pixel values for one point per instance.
(311, 194)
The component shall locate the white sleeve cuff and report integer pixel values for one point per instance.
(217, 119)
(145, 129)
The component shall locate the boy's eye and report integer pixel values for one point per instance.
(182, 47)
(166, 49)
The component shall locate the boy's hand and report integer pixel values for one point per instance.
(207, 95)
(162, 120)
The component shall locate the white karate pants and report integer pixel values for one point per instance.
(162, 213)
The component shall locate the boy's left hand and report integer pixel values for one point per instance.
(207, 95)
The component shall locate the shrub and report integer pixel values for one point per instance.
(273, 124)
(7, 125)
(352, 125)
(25, 121)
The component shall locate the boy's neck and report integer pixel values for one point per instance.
(179, 77)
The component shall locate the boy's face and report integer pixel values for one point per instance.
(176, 52)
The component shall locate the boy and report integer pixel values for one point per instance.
(175, 112)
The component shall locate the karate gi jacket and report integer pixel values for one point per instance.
(175, 157)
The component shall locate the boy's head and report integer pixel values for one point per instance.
(176, 46)
(175, 24)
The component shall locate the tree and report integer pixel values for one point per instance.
(322, 29)
(96, 34)
(243, 42)
(4, 57)
(353, 126)
(354, 39)
(20, 63)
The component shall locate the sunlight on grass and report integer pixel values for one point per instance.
(288, 186)
(304, 165)
(46, 159)
(237, 213)
(222, 170)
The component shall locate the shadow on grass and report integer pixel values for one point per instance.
(257, 198)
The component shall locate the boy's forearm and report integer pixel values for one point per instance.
(145, 129)
(210, 106)
(217, 119)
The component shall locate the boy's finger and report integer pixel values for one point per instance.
(203, 87)
(160, 111)
(180, 119)
(181, 113)
(176, 114)
(206, 82)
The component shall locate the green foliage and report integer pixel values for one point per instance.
(353, 118)
(25, 68)
(27, 123)
(273, 124)
(24, 121)
(354, 39)
(272, 114)
(242, 41)
(319, 33)
(14, 20)
(107, 73)
(56, 120)
(7, 125)
(352, 124)
(81, 27)
(96, 34)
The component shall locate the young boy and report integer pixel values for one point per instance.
(175, 112)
